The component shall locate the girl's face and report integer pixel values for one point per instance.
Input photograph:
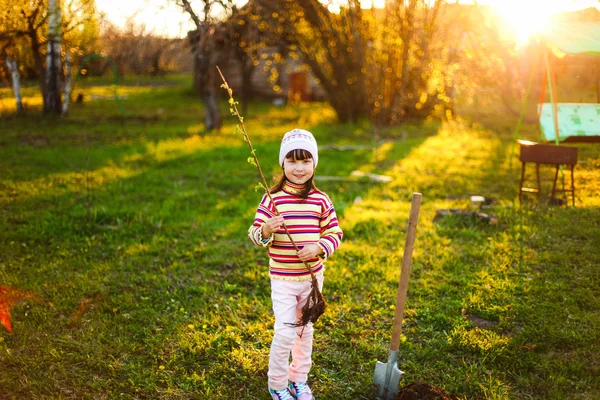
(298, 171)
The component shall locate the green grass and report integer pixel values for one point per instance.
(144, 218)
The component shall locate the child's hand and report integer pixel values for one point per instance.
(309, 252)
(272, 225)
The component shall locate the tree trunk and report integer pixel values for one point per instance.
(39, 62)
(52, 102)
(247, 68)
(155, 71)
(204, 82)
(204, 65)
(211, 107)
(14, 70)
(346, 100)
(68, 80)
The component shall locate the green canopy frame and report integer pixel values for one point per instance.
(567, 122)
(115, 77)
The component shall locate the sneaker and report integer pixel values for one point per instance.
(283, 394)
(301, 391)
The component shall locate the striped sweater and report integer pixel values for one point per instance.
(309, 221)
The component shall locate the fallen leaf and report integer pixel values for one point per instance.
(8, 298)
(90, 302)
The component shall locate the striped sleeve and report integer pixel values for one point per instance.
(331, 233)
(263, 213)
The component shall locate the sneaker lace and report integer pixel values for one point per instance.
(284, 394)
(301, 387)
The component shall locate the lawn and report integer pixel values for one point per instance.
(128, 234)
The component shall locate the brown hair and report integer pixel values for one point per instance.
(296, 155)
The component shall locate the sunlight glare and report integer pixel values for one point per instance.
(525, 18)
(372, 3)
(529, 17)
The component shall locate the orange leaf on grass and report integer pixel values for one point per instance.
(5, 318)
(8, 298)
(90, 302)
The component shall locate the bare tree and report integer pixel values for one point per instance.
(206, 42)
(412, 56)
(134, 49)
(245, 43)
(328, 43)
(371, 62)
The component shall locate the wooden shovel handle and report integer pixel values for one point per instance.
(406, 262)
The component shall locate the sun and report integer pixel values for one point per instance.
(525, 18)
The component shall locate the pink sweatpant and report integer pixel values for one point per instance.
(288, 297)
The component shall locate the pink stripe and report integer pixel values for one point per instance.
(312, 203)
(290, 273)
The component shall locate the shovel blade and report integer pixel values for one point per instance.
(384, 387)
(379, 379)
(394, 383)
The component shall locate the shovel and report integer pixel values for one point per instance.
(387, 375)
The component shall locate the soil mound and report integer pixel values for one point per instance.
(423, 391)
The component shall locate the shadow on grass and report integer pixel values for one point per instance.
(183, 288)
(167, 234)
(37, 146)
(467, 282)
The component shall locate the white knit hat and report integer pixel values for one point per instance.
(299, 139)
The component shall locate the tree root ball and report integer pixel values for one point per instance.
(423, 391)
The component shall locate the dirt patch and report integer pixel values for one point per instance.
(423, 391)
(35, 140)
(482, 323)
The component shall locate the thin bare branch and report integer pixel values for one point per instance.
(188, 8)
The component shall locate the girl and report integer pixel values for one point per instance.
(311, 220)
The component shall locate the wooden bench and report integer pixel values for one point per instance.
(547, 154)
